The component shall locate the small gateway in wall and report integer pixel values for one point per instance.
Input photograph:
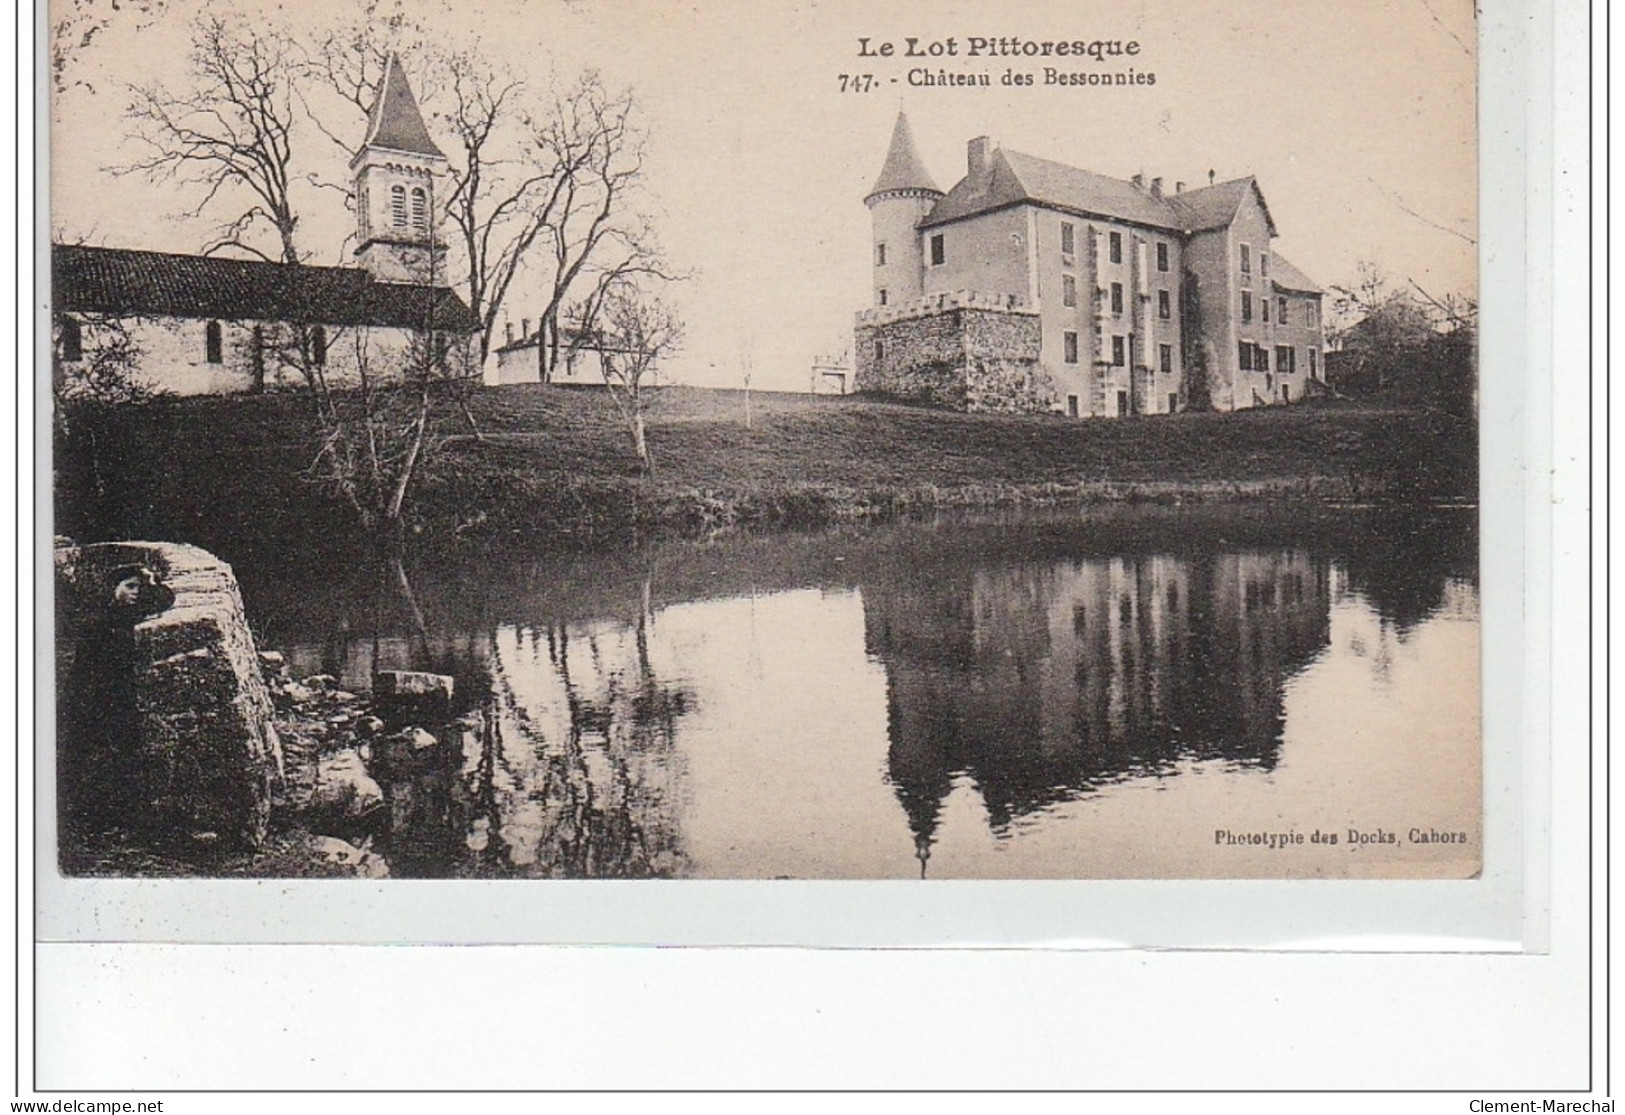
(1033, 286)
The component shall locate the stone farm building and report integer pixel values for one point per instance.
(1034, 286)
(210, 325)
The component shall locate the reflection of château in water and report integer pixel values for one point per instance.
(1042, 680)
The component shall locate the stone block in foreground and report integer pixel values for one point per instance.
(403, 696)
(205, 756)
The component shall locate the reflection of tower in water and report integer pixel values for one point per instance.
(1038, 682)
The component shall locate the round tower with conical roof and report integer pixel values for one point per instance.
(394, 174)
(903, 194)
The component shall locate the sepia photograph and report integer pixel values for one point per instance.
(589, 440)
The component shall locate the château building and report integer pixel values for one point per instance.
(1034, 286)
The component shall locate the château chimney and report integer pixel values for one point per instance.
(1156, 187)
(1139, 181)
(507, 332)
(524, 328)
(1179, 187)
(979, 153)
(1211, 175)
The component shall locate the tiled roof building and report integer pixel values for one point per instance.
(1033, 285)
(205, 324)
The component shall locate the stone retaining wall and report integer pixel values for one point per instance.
(965, 357)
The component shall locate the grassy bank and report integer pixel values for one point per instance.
(557, 461)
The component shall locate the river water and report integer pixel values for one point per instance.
(1130, 693)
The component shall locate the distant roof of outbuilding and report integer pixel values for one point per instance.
(1013, 178)
(904, 169)
(121, 281)
(396, 122)
(1288, 278)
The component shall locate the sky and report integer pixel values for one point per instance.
(1356, 117)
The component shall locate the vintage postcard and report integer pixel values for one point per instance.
(765, 441)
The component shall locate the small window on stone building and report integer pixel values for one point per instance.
(73, 339)
(1069, 290)
(1069, 344)
(1286, 361)
(939, 253)
(1165, 305)
(1069, 241)
(212, 347)
(1264, 305)
(1162, 256)
(1071, 406)
(880, 350)
(1246, 306)
(1246, 259)
(1280, 310)
(318, 346)
(420, 211)
(1314, 372)
(1117, 247)
(1261, 358)
(397, 206)
(882, 296)
(1263, 265)
(1167, 355)
(1119, 352)
(1244, 356)
(880, 255)
(1117, 298)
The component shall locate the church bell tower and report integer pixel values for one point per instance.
(394, 176)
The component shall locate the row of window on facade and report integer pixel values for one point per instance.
(1280, 309)
(71, 340)
(1256, 358)
(1114, 246)
(939, 247)
(1069, 351)
(1122, 412)
(1069, 297)
(1252, 357)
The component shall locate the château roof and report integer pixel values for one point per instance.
(1216, 206)
(396, 123)
(904, 169)
(1288, 278)
(120, 281)
(1014, 178)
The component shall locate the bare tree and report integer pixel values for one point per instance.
(78, 23)
(1411, 347)
(500, 201)
(633, 331)
(592, 146)
(377, 440)
(230, 130)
